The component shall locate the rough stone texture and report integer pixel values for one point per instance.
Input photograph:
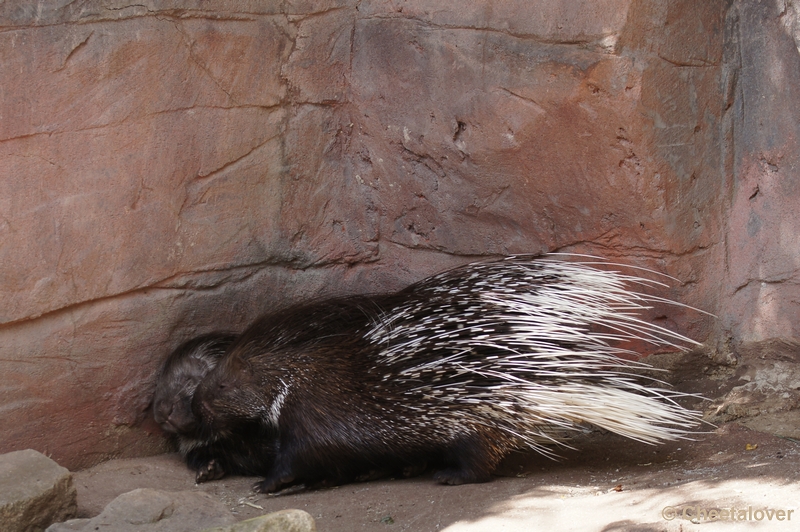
(282, 521)
(149, 510)
(764, 391)
(34, 492)
(763, 241)
(132, 146)
(168, 168)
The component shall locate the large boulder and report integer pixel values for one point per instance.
(34, 492)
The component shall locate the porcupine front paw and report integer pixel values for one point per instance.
(211, 471)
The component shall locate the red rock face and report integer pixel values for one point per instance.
(168, 169)
(763, 238)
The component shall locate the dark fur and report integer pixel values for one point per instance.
(339, 420)
(209, 455)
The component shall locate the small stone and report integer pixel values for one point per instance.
(282, 521)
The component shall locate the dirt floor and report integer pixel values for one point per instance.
(611, 484)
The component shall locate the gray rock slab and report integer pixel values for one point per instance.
(34, 491)
(149, 510)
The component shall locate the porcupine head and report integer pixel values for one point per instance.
(178, 380)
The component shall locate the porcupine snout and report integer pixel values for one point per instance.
(161, 413)
(174, 414)
(175, 421)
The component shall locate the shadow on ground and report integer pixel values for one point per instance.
(610, 484)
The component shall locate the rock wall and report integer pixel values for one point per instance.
(762, 244)
(170, 168)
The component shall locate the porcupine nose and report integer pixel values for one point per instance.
(162, 412)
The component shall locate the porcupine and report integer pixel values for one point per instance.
(457, 370)
(209, 456)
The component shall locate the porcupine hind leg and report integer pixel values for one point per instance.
(321, 469)
(471, 459)
(281, 476)
(295, 464)
(285, 479)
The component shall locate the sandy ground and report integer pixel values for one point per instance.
(611, 484)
